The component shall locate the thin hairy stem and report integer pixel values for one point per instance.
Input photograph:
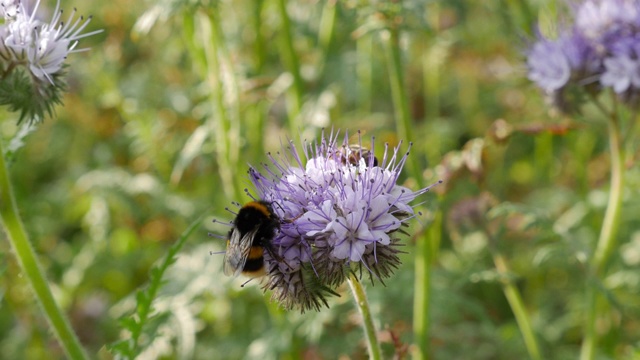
(360, 297)
(517, 306)
(607, 240)
(30, 266)
(290, 58)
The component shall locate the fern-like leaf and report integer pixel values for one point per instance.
(135, 323)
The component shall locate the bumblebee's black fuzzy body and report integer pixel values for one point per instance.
(254, 228)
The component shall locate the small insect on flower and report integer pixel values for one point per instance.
(353, 153)
(254, 228)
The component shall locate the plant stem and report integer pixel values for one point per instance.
(144, 308)
(517, 306)
(327, 27)
(360, 297)
(426, 253)
(396, 79)
(424, 248)
(30, 266)
(260, 42)
(607, 240)
(225, 125)
(294, 95)
(400, 99)
(364, 72)
(587, 351)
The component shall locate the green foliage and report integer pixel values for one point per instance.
(18, 140)
(30, 98)
(139, 149)
(144, 310)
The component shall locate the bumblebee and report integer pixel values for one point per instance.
(354, 152)
(254, 228)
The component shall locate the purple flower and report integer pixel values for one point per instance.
(602, 19)
(622, 65)
(340, 212)
(549, 67)
(554, 63)
(601, 50)
(621, 73)
(583, 58)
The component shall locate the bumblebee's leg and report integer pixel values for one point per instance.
(290, 221)
(246, 282)
(273, 253)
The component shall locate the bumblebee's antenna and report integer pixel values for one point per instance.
(246, 282)
(278, 204)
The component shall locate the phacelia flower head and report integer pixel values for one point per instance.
(342, 211)
(40, 48)
(549, 66)
(605, 20)
(600, 50)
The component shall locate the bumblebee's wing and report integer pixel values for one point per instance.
(237, 252)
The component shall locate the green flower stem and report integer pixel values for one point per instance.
(404, 127)
(260, 42)
(422, 286)
(255, 113)
(362, 303)
(225, 125)
(405, 131)
(607, 240)
(364, 71)
(327, 26)
(31, 268)
(517, 306)
(290, 58)
(326, 32)
(426, 253)
(587, 351)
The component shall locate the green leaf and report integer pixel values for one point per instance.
(135, 323)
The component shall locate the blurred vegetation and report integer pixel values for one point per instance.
(175, 98)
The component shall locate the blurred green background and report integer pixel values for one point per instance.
(175, 98)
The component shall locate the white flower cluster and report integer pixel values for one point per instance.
(42, 47)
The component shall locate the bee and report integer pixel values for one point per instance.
(354, 152)
(253, 231)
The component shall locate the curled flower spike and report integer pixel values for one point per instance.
(342, 211)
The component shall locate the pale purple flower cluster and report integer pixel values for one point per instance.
(42, 47)
(601, 50)
(341, 211)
